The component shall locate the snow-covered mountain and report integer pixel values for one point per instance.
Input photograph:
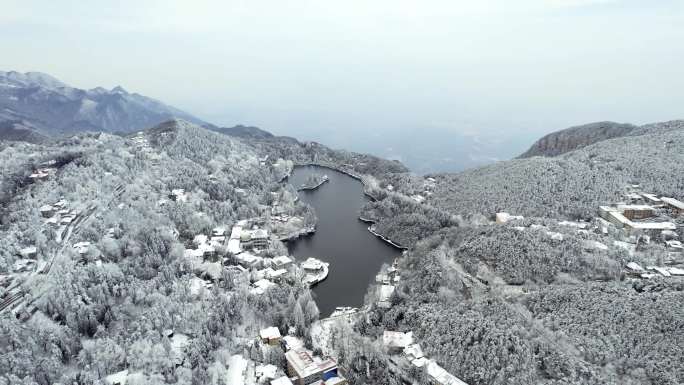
(53, 107)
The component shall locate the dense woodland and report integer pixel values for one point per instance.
(106, 312)
(492, 303)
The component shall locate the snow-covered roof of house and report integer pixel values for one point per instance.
(266, 371)
(284, 380)
(420, 362)
(306, 364)
(46, 208)
(674, 244)
(218, 231)
(234, 246)
(82, 247)
(413, 351)
(312, 264)
(271, 274)
(200, 239)
(652, 225)
(386, 292)
(673, 202)
(269, 333)
(635, 207)
(635, 267)
(292, 342)
(675, 271)
(260, 234)
(247, 258)
(440, 375)
(397, 339)
(260, 286)
(28, 251)
(335, 380)
(118, 378)
(662, 270)
(196, 285)
(236, 232)
(281, 260)
(651, 197)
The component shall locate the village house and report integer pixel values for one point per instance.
(24, 265)
(633, 212)
(651, 199)
(384, 296)
(305, 368)
(248, 260)
(259, 287)
(178, 195)
(30, 252)
(270, 335)
(82, 247)
(284, 380)
(396, 342)
(315, 271)
(440, 376)
(504, 217)
(47, 211)
(281, 262)
(674, 205)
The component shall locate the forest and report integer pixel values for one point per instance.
(533, 301)
(108, 310)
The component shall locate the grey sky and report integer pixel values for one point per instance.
(323, 69)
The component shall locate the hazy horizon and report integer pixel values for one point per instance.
(413, 81)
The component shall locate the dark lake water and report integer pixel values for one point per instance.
(355, 255)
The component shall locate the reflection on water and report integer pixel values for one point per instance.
(355, 255)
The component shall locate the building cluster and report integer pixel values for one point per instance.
(304, 367)
(403, 348)
(645, 217)
(645, 214)
(239, 251)
(59, 216)
(387, 280)
(429, 185)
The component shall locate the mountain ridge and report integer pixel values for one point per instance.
(55, 108)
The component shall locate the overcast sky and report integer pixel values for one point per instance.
(325, 69)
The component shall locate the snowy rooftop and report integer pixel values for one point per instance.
(281, 381)
(306, 364)
(653, 225)
(386, 292)
(413, 351)
(673, 202)
(269, 333)
(292, 342)
(117, 378)
(440, 375)
(282, 260)
(397, 339)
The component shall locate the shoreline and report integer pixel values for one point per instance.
(398, 246)
(305, 232)
(365, 192)
(358, 177)
(311, 188)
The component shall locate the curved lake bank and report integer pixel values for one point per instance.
(355, 255)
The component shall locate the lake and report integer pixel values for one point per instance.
(355, 255)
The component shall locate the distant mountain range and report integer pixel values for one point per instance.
(48, 107)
